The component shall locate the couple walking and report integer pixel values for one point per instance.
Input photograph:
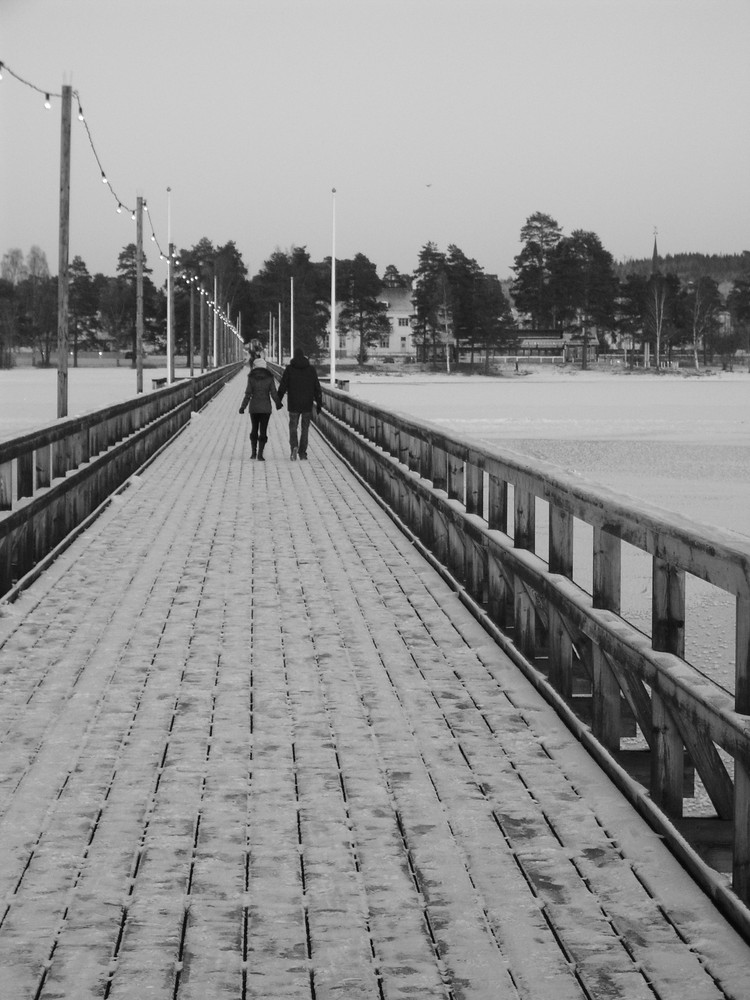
(301, 386)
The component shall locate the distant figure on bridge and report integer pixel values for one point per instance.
(300, 381)
(255, 351)
(260, 391)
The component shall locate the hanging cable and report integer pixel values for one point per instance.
(48, 95)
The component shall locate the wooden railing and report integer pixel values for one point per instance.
(475, 509)
(52, 479)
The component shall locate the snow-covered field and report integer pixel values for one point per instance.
(638, 434)
(680, 442)
(28, 396)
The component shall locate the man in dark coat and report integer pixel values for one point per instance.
(301, 385)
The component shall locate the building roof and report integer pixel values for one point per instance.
(397, 299)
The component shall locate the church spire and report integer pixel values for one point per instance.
(655, 256)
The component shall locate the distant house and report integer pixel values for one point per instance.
(398, 343)
(564, 344)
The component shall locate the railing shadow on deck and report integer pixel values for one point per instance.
(53, 479)
(472, 509)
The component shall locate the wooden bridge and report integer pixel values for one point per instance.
(256, 742)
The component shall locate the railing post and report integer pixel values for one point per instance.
(524, 537)
(25, 475)
(560, 561)
(474, 489)
(668, 608)
(415, 454)
(6, 485)
(425, 460)
(439, 469)
(455, 477)
(43, 459)
(497, 504)
(741, 856)
(606, 594)
(667, 634)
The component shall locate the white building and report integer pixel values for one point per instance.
(397, 345)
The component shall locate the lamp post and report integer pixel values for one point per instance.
(170, 288)
(139, 297)
(191, 346)
(333, 288)
(63, 252)
(216, 325)
(202, 267)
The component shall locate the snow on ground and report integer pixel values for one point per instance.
(680, 442)
(638, 434)
(28, 396)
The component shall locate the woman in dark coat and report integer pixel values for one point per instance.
(259, 395)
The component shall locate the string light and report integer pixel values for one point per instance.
(48, 95)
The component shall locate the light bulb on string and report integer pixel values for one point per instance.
(1, 70)
(47, 103)
(119, 208)
(104, 178)
(133, 215)
(80, 113)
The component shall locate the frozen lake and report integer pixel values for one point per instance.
(637, 434)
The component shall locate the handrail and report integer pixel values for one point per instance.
(51, 479)
(474, 508)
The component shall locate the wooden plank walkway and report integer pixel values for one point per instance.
(251, 745)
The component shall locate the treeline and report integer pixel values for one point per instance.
(451, 295)
(566, 284)
(723, 268)
(571, 283)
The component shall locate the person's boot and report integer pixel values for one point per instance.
(254, 443)
(261, 446)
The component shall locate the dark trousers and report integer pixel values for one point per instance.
(259, 429)
(304, 426)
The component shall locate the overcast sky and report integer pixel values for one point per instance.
(443, 120)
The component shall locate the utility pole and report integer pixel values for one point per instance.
(291, 319)
(216, 326)
(204, 345)
(170, 316)
(333, 288)
(139, 296)
(170, 339)
(62, 270)
(191, 347)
